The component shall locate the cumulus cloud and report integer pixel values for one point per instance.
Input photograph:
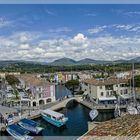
(76, 47)
(24, 46)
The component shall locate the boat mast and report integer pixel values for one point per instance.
(133, 84)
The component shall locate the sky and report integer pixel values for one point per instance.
(48, 32)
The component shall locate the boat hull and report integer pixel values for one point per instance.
(53, 122)
(18, 136)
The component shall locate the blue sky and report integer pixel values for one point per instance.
(49, 32)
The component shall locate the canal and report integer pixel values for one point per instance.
(77, 124)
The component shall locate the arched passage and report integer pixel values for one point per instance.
(71, 103)
(41, 102)
(48, 100)
(34, 103)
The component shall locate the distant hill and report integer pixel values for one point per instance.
(68, 61)
(91, 61)
(64, 61)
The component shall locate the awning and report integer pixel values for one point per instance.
(128, 96)
(107, 98)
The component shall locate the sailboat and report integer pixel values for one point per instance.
(138, 108)
(131, 108)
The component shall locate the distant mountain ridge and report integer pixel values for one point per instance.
(68, 61)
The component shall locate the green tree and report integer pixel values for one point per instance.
(72, 85)
(12, 80)
(136, 81)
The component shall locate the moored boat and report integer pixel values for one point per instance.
(117, 112)
(18, 132)
(93, 114)
(30, 125)
(53, 117)
(132, 110)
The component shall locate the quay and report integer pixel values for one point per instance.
(127, 127)
(99, 106)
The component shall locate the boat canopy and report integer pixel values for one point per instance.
(30, 122)
(18, 129)
(53, 113)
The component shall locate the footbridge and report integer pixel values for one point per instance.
(65, 102)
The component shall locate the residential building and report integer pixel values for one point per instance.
(105, 90)
(39, 91)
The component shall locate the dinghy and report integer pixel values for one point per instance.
(93, 114)
(30, 125)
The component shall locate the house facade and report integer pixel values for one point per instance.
(39, 91)
(105, 91)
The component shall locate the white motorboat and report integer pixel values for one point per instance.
(132, 110)
(18, 132)
(93, 114)
(30, 125)
(53, 117)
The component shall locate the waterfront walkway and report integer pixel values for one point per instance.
(126, 127)
(92, 105)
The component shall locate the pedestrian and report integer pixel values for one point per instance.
(6, 122)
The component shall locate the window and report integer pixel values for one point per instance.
(116, 85)
(107, 93)
(125, 91)
(100, 87)
(102, 94)
(53, 117)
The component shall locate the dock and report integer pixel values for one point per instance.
(126, 127)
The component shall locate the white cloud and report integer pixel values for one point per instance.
(132, 13)
(96, 29)
(61, 29)
(77, 47)
(38, 50)
(24, 46)
(4, 22)
(79, 37)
